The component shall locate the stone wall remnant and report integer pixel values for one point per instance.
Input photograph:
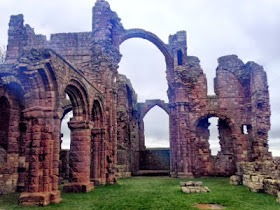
(107, 129)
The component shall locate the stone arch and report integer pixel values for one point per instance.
(97, 166)
(80, 126)
(140, 33)
(66, 108)
(144, 108)
(218, 115)
(224, 163)
(78, 97)
(97, 115)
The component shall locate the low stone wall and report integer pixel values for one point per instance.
(122, 171)
(259, 176)
(155, 159)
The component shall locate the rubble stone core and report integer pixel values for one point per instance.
(107, 128)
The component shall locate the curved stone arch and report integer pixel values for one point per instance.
(218, 115)
(140, 33)
(97, 113)
(97, 164)
(227, 155)
(66, 108)
(79, 99)
(238, 80)
(12, 83)
(144, 108)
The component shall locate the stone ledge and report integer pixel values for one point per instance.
(39, 198)
(78, 187)
(32, 199)
(195, 189)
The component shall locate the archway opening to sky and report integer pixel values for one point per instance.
(156, 125)
(144, 64)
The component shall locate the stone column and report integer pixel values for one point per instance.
(40, 188)
(79, 157)
(181, 155)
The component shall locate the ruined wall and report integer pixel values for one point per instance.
(234, 104)
(107, 128)
(75, 48)
(155, 159)
(259, 176)
(128, 129)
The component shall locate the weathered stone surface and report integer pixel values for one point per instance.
(258, 176)
(194, 189)
(107, 128)
(78, 187)
(191, 183)
(235, 180)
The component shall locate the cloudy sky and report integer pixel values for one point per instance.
(248, 28)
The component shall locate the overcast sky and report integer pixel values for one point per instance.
(248, 28)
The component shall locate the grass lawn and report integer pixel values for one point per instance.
(156, 193)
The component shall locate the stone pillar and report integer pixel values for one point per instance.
(180, 145)
(79, 158)
(98, 157)
(40, 181)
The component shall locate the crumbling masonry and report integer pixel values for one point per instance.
(107, 129)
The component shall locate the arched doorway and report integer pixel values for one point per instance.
(79, 155)
(144, 67)
(155, 157)
(224, 162)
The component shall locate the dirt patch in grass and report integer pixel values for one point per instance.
(209, 206)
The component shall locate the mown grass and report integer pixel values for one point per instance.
(156, 193)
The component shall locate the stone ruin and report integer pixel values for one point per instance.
(193, 187)
(107, 129)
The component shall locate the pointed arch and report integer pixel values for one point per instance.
(79, 100)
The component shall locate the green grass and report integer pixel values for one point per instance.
(156, 193)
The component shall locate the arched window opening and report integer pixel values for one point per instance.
(4, 122)
(156, 123)
(144, 64)
(214, 142)
(179, 57)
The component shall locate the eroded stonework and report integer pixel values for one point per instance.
(107, 129)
